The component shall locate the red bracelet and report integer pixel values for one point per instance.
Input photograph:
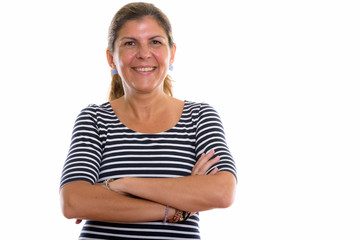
(178, 217)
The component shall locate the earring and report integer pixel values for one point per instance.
(171, 67)
(114, 71)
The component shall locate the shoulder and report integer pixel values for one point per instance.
(201, 113)
(94, 111)
(200, 109)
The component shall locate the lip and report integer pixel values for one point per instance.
(144, 70)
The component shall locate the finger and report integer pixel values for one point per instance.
(202, 160)
(209, 164)
(207, 156)
(198, 165)
(193, 213)
(214, 171)
(203, 163)
(78, 221)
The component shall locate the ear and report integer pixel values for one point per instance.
(172, 54)
(110, 59)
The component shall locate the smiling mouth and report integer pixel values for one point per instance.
(146, 69)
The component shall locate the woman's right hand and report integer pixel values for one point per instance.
(204, 163)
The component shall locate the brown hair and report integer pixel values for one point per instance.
(133, 11)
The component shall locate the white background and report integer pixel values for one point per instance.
(284, 76)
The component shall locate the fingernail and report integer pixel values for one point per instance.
(212, 151)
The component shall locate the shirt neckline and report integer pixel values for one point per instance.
(137, 132)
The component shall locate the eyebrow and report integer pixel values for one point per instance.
(132, 38)
(158, 36)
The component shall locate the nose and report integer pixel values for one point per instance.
(143, 52)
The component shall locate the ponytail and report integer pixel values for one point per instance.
(116, 89)
(168, 85)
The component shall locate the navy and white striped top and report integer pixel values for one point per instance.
(102, 147)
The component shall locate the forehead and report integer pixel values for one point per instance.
(141, 28)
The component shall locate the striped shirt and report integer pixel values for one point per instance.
(102, 148)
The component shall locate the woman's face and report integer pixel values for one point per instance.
(142, 55)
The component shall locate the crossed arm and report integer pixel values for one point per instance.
(198, 192)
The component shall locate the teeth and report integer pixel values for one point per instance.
(144, 69)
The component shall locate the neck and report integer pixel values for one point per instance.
(143, 106)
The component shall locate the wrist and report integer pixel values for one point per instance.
(118, 185)
(171, 213)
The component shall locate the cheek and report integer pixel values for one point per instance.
(125, 58)
(163, 56)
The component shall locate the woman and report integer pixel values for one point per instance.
(142, 165)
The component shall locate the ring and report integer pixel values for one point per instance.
(197, 173)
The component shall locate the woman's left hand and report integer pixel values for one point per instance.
(204, 163)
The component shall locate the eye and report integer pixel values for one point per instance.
(129, 43)
(156, 42)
